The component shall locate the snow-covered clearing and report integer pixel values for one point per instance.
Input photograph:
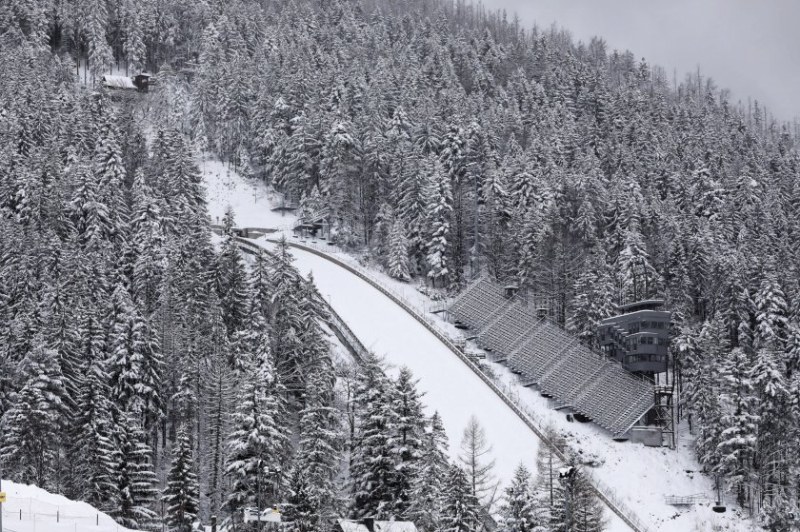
(251, 201)
(42, 511)
(640, 476)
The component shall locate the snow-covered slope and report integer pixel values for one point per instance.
(641, 477)
(251, 202)
(32, 509)
(449, 386)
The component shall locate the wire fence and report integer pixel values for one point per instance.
(37, 514)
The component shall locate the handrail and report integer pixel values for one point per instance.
(343, 331)
(613, 503)
(216, 228)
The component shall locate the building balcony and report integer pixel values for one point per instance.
(646, 362)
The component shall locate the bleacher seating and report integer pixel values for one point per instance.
(542, 350)
(548, 357)
(566, 379)
(618, 400)
(502, 334)
(478, 304)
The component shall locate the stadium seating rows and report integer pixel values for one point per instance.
(501, 335)
(548, 357)
(478, 303)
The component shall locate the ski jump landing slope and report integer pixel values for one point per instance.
(448, 384)
(642, 476)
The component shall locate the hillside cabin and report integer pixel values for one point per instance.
(143, 81)
(140, 82)
(118, 82)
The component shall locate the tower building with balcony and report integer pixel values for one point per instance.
(638, 337)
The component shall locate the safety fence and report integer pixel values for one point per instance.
(36, 514)
(604, 492)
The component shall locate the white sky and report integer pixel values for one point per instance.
(749, 46)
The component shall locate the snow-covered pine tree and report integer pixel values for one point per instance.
(373, 460)
(398, 251)
(593, 299)
(410, 434)
(773, 402)
(231, 278)
(181, 494)
(637, 277)
(439, 213)
(703, 386)
(88, 213)
(301, 509)
(110, 173)
(257, 442)
(312, 491)
(427, 499)
(136, 480)
(585, 508)
(147, 240)
(518, 506)
(94, 442)
(184, 406)
(461, 510)
(32, 425)
(135, 363)
(772, 313)
(218, 399)
(132, 31)
(260, 288)
(94, 32)
(739, 423)
(546, 491)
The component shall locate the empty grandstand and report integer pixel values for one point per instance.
(596, 385)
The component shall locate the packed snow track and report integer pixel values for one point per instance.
(458, 392)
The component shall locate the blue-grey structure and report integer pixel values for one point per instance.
(638, 338)
(517, 331)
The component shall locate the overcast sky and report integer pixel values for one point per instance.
(749, 46)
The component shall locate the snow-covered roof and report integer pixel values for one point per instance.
(351, 526)
(377, 526)
(118, 82)
(395, 526)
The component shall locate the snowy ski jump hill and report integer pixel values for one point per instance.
(636, 480)
(32, 509)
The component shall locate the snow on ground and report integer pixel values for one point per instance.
(251, 201)
(640, 476)
(449, 386)
(42, 511)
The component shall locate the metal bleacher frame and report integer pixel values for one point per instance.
(551, 359)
